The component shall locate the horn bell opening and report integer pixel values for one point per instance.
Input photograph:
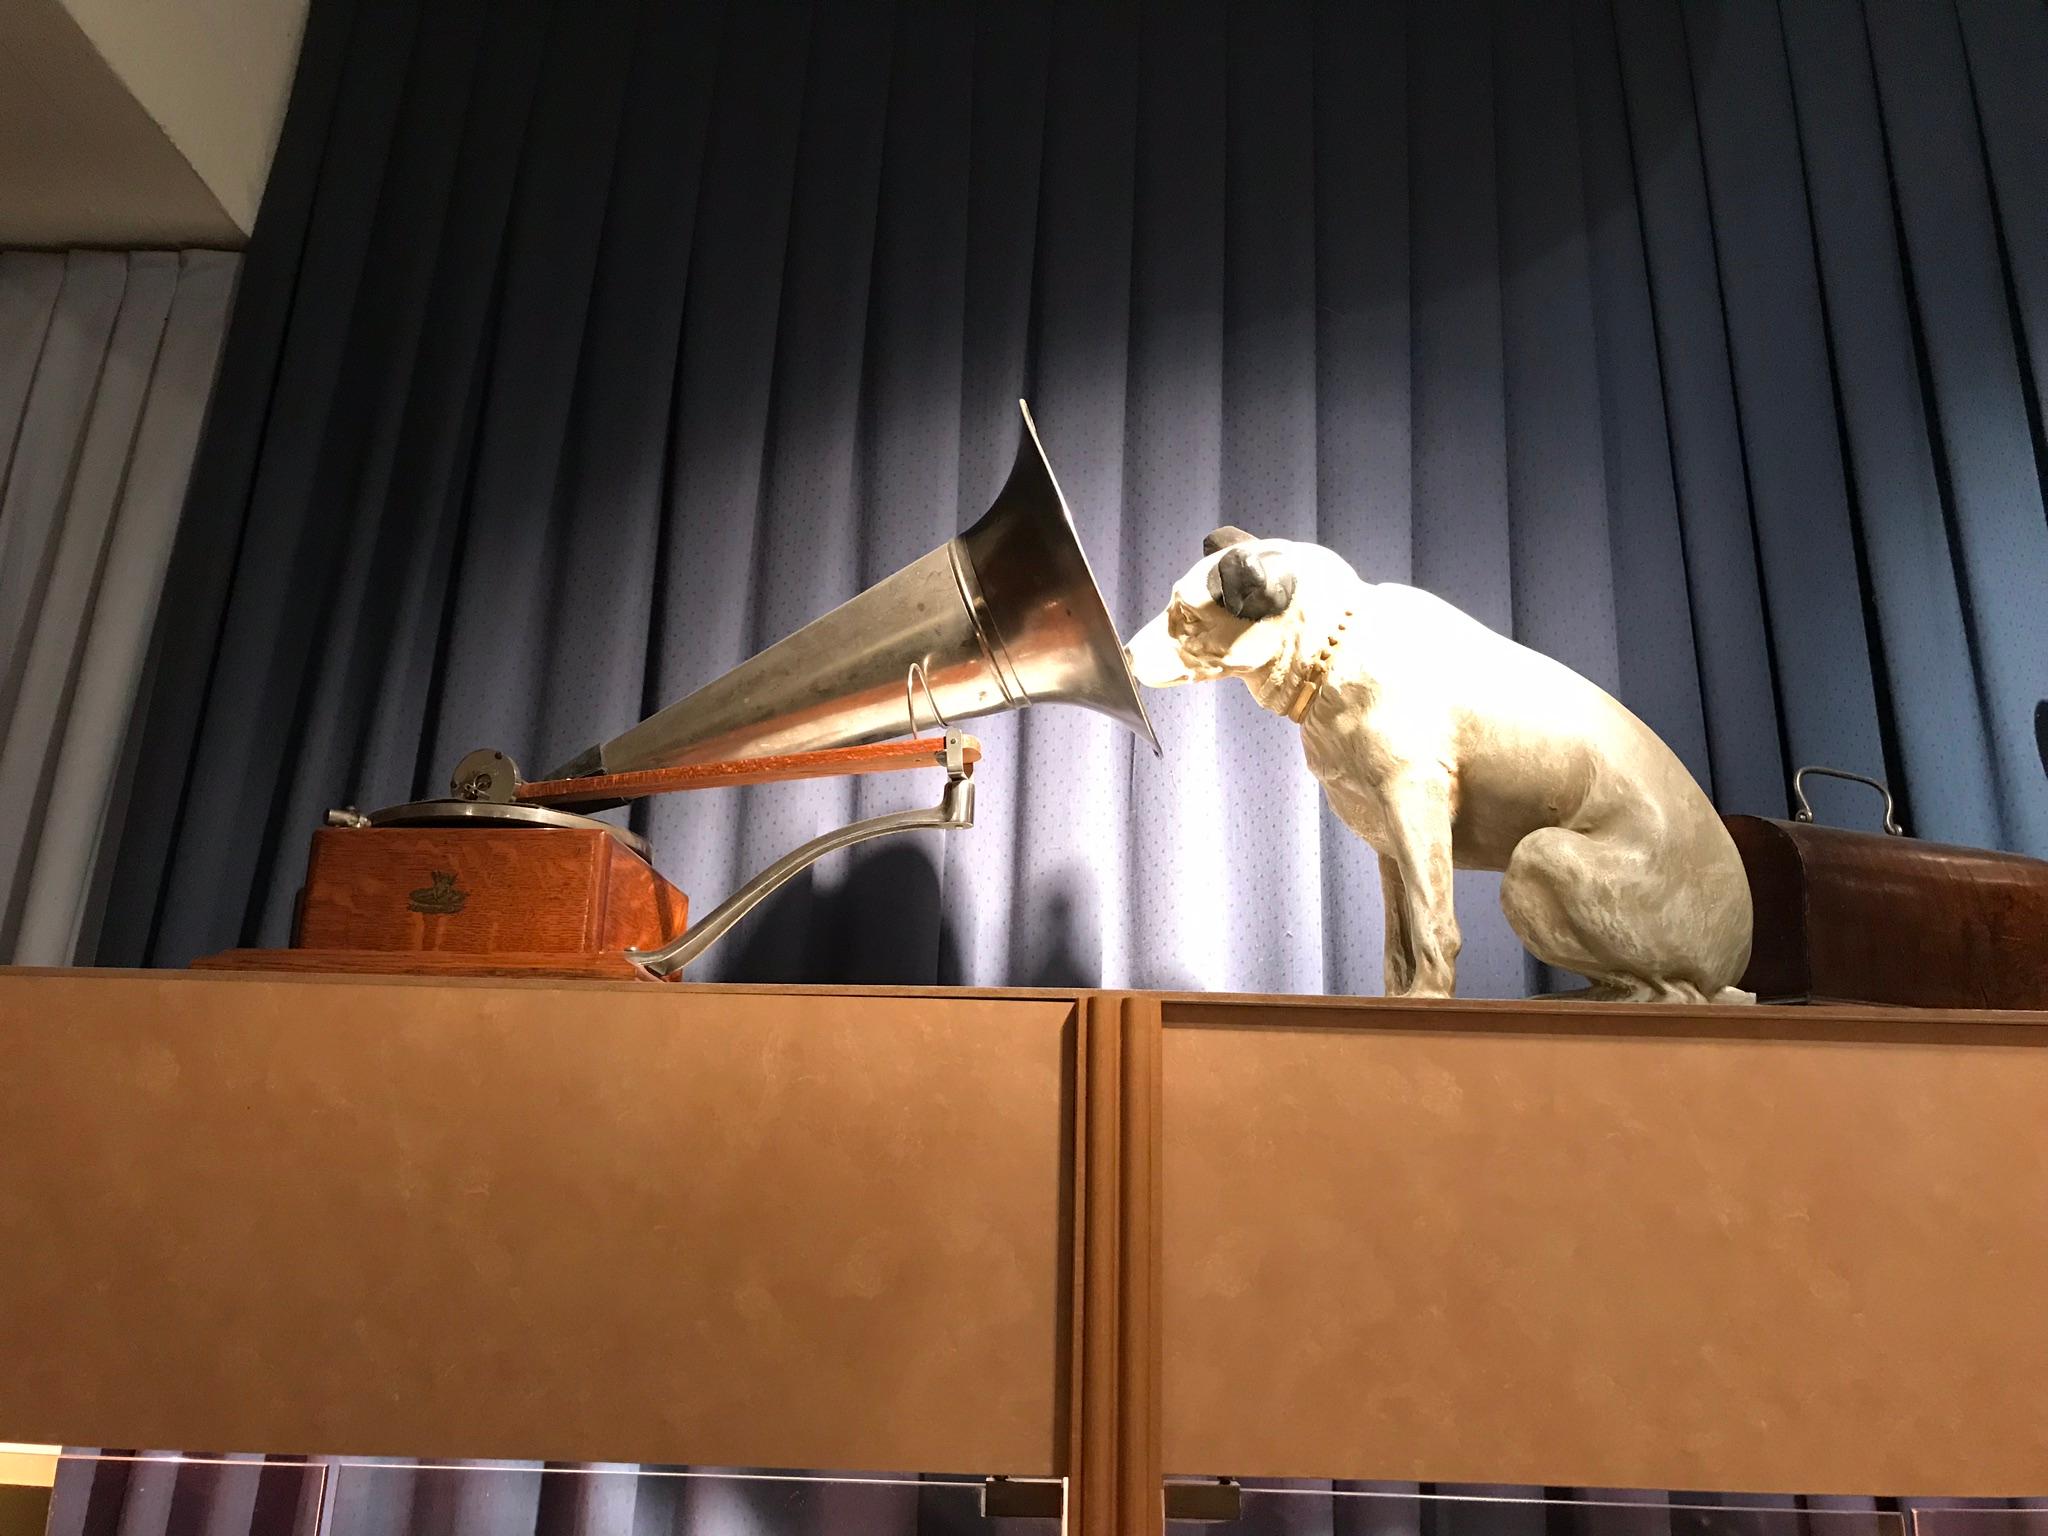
(1039, 606)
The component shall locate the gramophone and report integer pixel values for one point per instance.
(507, 876)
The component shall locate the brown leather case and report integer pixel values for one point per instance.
(1857, 917)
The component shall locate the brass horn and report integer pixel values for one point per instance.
(1005, 615)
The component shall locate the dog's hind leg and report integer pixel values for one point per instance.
(1634, 989)
(1623, 918)
(1580, 904)
(1539, 894)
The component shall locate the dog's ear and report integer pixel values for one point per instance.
(1253, 584)
(1223, 538)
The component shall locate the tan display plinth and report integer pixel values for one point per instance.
(599, 1221)
(1794, 1250)
(1085, 1234)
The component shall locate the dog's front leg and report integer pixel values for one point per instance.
(1419, 825)
(1398, 967)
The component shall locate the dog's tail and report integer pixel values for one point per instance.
(1732, 995)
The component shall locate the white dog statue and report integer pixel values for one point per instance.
(1445, 745)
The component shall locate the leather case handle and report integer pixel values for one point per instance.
(1805, 811)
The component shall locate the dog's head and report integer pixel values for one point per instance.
(1240, 611)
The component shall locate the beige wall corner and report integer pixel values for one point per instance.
(135, 123)
(214, 74)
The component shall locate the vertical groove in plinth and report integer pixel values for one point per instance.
(1113, 1461)
(1140, 1343)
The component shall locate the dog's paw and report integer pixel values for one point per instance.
(1414, 992)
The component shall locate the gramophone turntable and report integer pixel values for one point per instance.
(513, 876)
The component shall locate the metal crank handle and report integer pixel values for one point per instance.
(954, 811)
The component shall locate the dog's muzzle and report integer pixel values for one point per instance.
(1155, 659)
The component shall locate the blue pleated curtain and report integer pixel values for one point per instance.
(585, 349)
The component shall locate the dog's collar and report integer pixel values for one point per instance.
(1317, 674)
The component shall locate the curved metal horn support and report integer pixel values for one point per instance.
(954, 811)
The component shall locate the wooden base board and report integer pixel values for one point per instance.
(384, 962)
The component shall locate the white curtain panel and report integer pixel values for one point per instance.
(106, 361)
